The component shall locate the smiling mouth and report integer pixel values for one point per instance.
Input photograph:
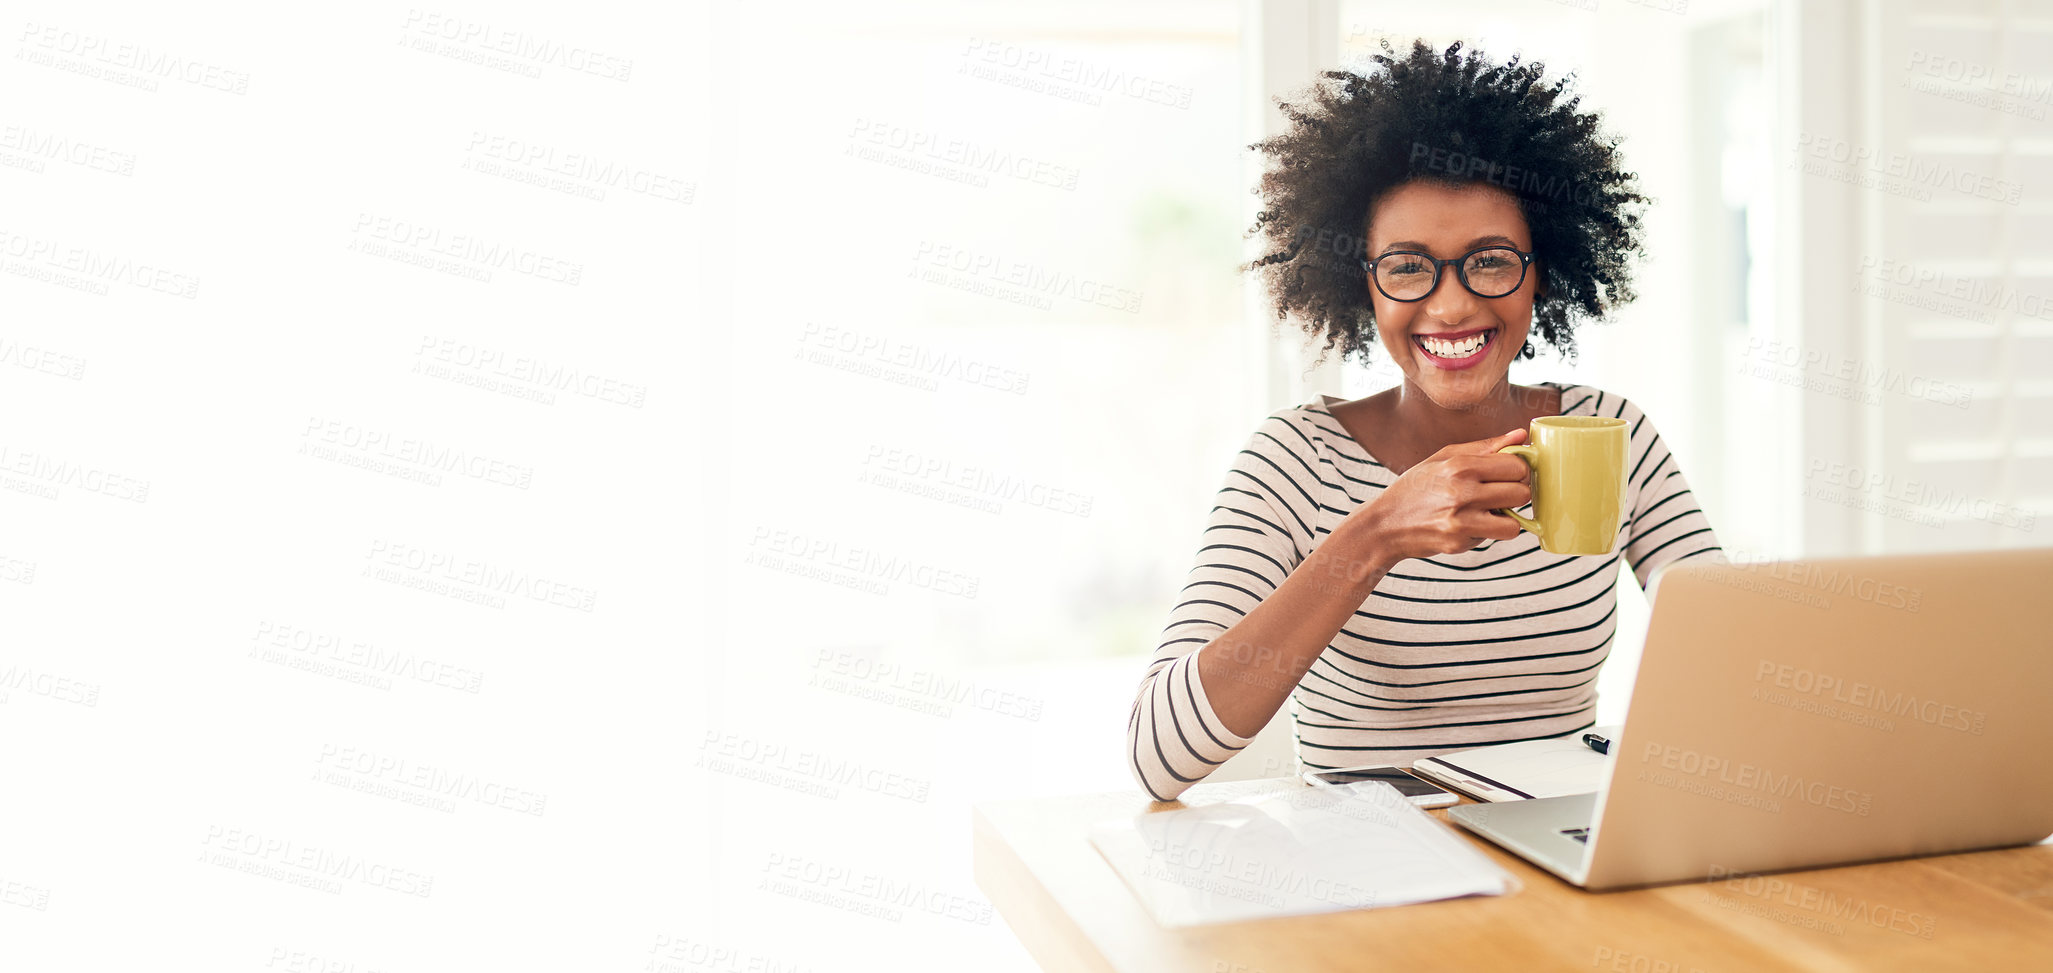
(1460, 349)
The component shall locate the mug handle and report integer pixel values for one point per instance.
(1531, 455)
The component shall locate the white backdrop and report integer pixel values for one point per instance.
(352, 448)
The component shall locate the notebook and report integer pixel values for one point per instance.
(1295, 852)
(1553, 767)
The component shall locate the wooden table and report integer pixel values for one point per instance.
(1990, 910)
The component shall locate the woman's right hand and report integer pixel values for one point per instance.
(1448, 503)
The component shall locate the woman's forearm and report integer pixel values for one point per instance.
(1249, 669)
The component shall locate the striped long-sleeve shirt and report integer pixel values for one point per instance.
(1494, 645)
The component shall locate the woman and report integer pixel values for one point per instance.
(1445, 208)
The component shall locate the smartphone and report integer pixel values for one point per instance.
(1421, 792)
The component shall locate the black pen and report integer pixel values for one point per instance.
(1597, 743)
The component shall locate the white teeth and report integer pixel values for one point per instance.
(1455, 349)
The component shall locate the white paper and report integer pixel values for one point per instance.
(1551, 767)
(1309, 850)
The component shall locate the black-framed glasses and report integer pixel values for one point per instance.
(1410, 275)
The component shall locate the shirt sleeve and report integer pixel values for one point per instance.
(1666, 525)
(1261, 519)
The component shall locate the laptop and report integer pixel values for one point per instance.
(1798, 714)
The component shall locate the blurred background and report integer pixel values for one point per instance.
(654, 471)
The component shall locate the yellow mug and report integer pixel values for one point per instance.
(1579, 488)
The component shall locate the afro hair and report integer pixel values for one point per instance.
(1458, 119)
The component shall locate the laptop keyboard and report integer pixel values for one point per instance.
(1579, 834)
